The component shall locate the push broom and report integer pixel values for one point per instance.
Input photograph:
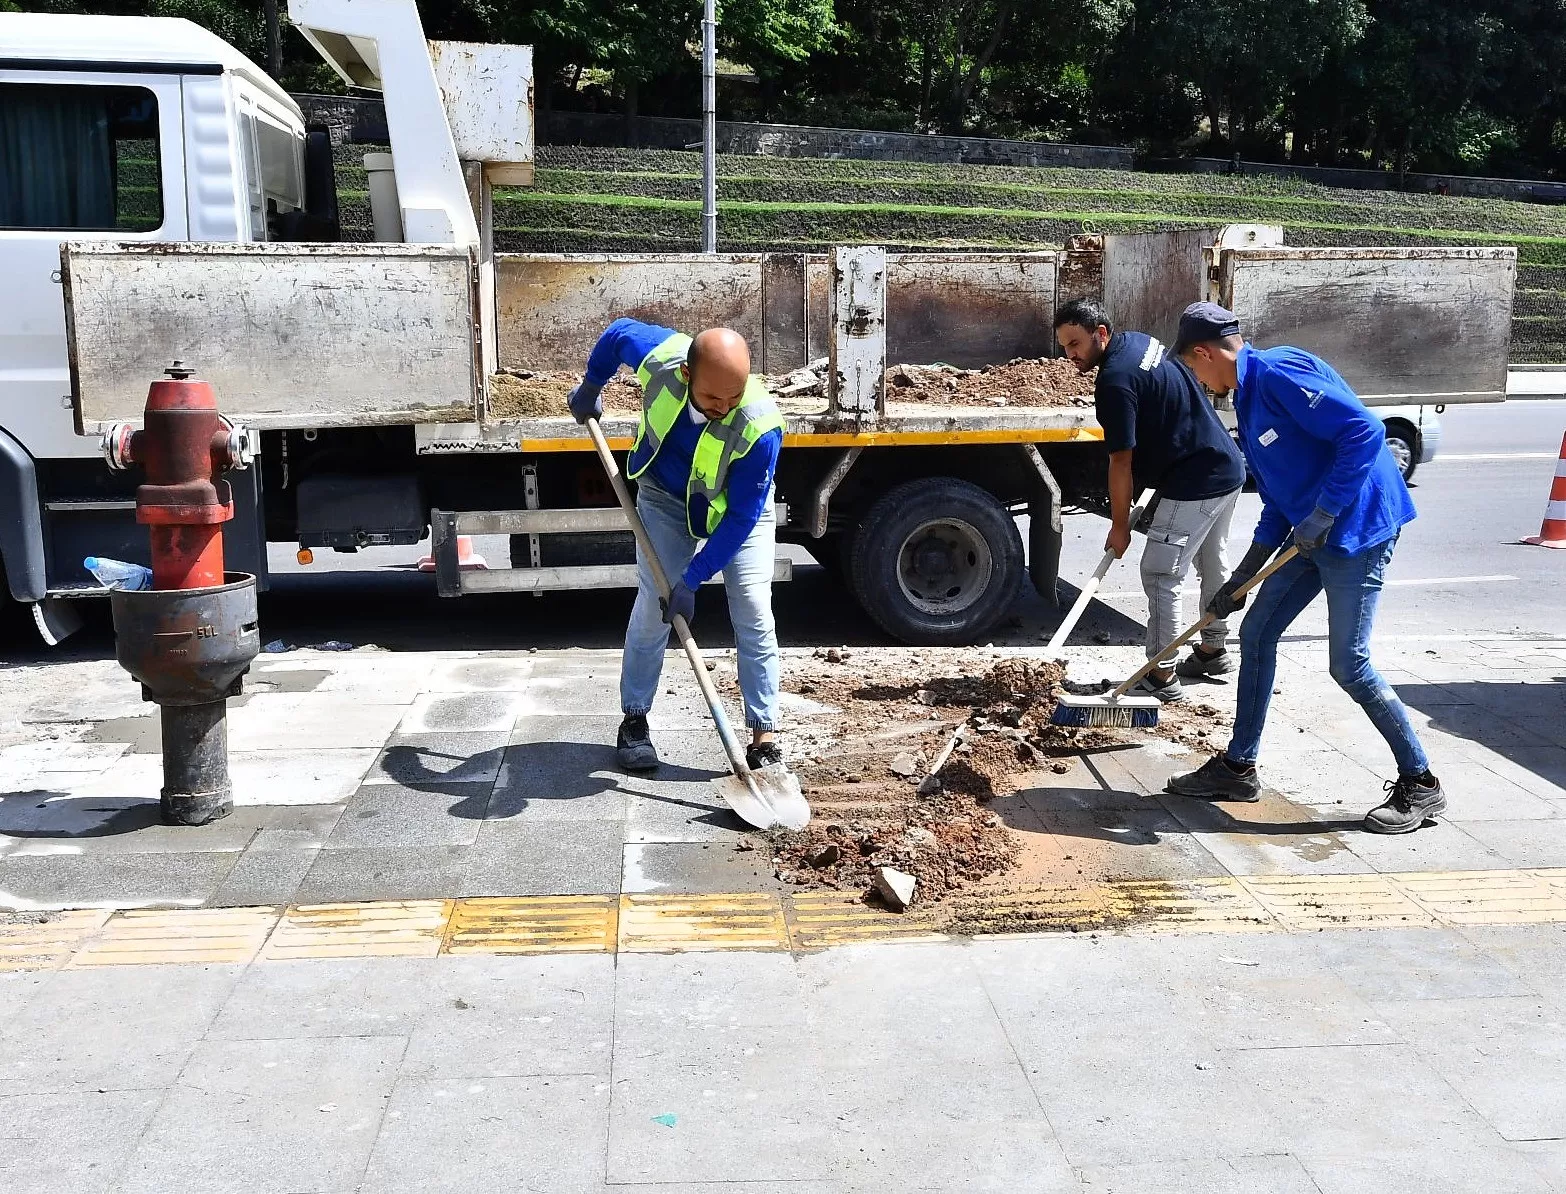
(1116, 708)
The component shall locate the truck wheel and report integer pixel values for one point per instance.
(1401, 442)
(937, 562)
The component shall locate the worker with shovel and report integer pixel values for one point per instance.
(703, 459)
(1162, 434)
(1327, 481)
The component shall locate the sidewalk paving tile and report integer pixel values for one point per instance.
(1411, 964)
(1356, 1099)
(1506, 1057)
(312, 720)
(726, 1049)
(540, 1135)
(1145, 843)
(328, 997)
(1536, 954)
(1276, 1174)
(1273, 836)
(491, 672)
(383, 873)
(1476, 792)
(392, 815)
(461, 713)
(1520, 843)
(1537, 769)
(556, 772)
(1444, 846)
(112, 880)
(266, 875)
(417, 759)
(298, 777)
(93, 827)
(1429, 1165)
(489, 1017)
(76, 1141)
(145, 1022)
(1547, 1156)
(696, 867)
(268, 1116)
(564, 858)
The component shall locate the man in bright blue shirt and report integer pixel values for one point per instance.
(1325, 477)
(703, 459)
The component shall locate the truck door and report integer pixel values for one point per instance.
(84, 155)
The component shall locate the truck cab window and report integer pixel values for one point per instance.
(78, 157)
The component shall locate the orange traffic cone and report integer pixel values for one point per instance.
(1553, 532)
(466, 560)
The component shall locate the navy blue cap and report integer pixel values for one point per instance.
(1202, 322)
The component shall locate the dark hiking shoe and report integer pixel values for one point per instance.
(1168, 691)
(633, 745)
(1217, 779)
(1199, 664)
(1412, 800)
(763, 754)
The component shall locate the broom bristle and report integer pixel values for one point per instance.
(1129, 717)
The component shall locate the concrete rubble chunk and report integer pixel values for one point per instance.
(895, 887)
(905, 765)
(930, 785)
(826, 856)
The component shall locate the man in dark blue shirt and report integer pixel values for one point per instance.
(1327, 480)
(1162, 434)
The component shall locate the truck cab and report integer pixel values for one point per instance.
(120, 129)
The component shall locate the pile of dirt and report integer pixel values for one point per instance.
(1044, 382)
(528, 394)
(1040, 382)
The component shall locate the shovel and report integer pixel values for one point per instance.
(767, 798)
(1090, 586)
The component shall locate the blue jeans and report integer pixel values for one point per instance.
(748, 581)
(1353, 587)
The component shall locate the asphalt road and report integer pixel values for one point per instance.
(1458, 569)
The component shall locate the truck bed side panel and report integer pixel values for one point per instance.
(289, 335)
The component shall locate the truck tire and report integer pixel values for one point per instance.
(937, 562)
(1403, 443)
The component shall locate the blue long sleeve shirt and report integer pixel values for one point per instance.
(1311, 442)
(627, 342)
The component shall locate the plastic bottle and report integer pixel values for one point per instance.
(117, 574)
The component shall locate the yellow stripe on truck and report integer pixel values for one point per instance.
(866, 439)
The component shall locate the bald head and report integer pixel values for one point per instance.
(717, 371)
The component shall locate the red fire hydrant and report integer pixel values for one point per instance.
(191, 637)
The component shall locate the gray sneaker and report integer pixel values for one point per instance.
(1197, 665)
(1217, 780)
(633, 745)
(1409, 805)
(1169, 691)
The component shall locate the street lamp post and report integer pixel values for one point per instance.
(709, 128)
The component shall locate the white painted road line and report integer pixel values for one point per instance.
(1450, 580)
(1497, 456)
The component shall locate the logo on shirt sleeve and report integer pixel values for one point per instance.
(1267, 438)
(1312, 397)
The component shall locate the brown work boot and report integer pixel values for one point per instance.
(1412, 801)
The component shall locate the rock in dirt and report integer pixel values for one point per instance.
(895, 887)
(930, 785)
(905, 765)
(824, 857)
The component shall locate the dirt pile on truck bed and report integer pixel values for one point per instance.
(1038, 383)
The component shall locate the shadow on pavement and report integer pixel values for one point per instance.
(1524, 723)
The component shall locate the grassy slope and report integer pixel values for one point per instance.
(646, 200)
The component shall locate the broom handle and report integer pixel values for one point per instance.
(1058, 639)
(1202, 623)
(661, 579)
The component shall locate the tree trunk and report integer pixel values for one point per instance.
(966, 82)
(926, 79)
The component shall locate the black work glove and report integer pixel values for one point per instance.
(1224, 601)
(1313, 532)
(586, 402)
(682, 601)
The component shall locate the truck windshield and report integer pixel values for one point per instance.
(79, 157)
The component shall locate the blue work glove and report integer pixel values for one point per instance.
(1224, 601)
(1313, 532)
(680, 601)
(586, 402)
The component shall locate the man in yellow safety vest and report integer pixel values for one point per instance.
(703, 460)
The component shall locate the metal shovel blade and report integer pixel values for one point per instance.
(775, 803)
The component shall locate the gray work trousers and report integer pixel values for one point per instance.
(1180, 533)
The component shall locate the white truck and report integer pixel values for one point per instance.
(175, 206)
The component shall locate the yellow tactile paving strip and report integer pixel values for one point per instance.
(798, 921)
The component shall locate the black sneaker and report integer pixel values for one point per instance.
(1199, 664)
(633, 745)
(763, 754)
(1217, 779)
(1412, 800)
